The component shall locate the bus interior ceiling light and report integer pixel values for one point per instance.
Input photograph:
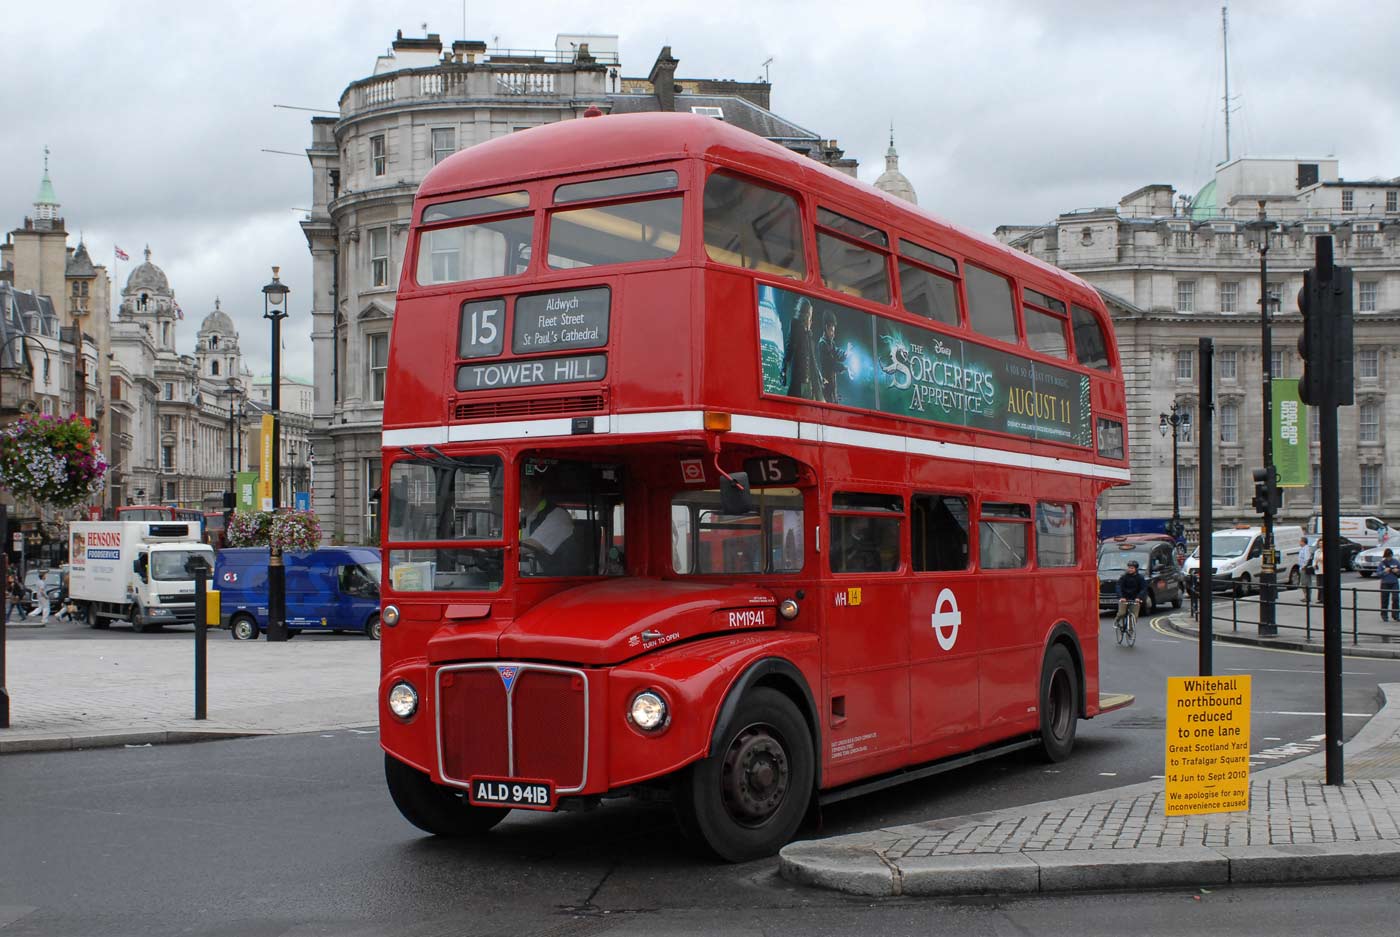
(648, 711)
(390, 615)
(403, 699)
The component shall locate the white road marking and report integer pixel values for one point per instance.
(1266, 712)
(1348, 673)
(1108, 774)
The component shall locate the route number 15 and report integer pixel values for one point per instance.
(482, 328)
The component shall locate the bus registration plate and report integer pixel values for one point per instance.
(511, 792)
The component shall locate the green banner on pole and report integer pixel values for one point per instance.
(1290, 431)
(247, 491)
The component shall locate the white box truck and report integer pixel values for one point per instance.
(134, 571)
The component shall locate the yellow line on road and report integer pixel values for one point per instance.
(1164, 630)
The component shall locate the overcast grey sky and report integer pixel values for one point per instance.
(1005, 111)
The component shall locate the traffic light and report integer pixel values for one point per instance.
(1266, 491)
(1326, 343)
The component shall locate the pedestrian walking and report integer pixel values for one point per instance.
(1305, 567)
(1389, 573)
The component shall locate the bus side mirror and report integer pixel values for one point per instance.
(735, 495)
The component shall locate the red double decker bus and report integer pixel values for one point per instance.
(711, 471)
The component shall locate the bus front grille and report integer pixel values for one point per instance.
(540, 406)
(513, 720)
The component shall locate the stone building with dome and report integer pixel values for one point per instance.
(1173, 268)
(892, 181)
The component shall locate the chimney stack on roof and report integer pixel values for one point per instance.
(663, 79)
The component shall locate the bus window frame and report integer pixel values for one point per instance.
(845, 487)
(955, 278)
(805, 202)
(1029, 297)
(1027, 523)
(817, 229)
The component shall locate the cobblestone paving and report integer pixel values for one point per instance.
(1285, 811)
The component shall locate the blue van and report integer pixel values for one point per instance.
(328, 589)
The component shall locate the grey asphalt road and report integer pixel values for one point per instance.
(295, 835)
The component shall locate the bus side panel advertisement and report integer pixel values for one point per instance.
(818, 350)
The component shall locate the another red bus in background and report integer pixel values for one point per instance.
(157, 512)
(709, 470)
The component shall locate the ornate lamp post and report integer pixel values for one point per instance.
(1267, 575)
(274, 310)
(1173, 420)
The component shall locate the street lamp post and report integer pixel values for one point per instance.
(274, 310)
(232, 392)
(1173, 421)
(1269, 565)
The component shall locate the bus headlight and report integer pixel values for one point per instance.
(648, 711)
(788, 609)
(390, 615)
(403, 699)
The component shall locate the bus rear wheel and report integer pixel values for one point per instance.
(746, 801)
(434, 808)
(1059, 704)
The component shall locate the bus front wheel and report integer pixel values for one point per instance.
(1059, 704)
(434, 808)
(746, 801)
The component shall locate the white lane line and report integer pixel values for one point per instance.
(1280, 712)
(1347, 673)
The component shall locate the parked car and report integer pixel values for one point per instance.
(1237, 557)
(1156, 558)
(1347, 550)
(1367, 560)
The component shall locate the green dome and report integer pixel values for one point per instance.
(1203, 205)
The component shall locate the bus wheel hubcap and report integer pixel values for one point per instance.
(1059, 704)
(756, 776)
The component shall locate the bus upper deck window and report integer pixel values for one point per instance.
(990, 310)
(750, 226)
(615, 233)
(923, 292)
(848, 267)
(1090, 348)
(1045, 332)
(479, 250)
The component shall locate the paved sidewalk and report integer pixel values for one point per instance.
(123, 688)
(1300, 624)
(1296, 829)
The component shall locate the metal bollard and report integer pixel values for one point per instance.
(199, 568)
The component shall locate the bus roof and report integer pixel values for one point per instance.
(591, 144)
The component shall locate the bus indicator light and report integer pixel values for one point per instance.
(717, 422)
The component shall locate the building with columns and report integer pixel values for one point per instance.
(1174, 268)
(422, 102)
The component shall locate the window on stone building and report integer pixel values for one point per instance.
(1229, 485)
(377, 354)
(1366, 296)
(1275, 363)
(171, 491)
(1186, 484)
(1368, 363)
(1229, 296)
(214, 368)
(444, 143)
(378, 160)
(1185, 295)
(1369, 425)
(1348, 200)
(1392, 201)
(1370, 485)
(1185, 364)
(167, 458)
(1230, 423)
(1228, 361)
(379, 256)
(168, 391)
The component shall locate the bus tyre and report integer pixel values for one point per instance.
(372, 627)
(433, 808)
(243, 628)
(1059, 704)
(747, 801)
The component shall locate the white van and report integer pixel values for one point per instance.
(1365, 529)
(1238, 552)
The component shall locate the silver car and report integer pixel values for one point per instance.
(1367, 560)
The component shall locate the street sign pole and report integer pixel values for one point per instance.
(1205, 585)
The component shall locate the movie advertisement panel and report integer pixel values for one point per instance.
(822, 351)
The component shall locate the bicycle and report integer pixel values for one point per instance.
(1125, 629)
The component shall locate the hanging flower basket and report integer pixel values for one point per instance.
(288, 530)
(52, 461)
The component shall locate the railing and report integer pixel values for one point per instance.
(1351, 600)
(504, 77)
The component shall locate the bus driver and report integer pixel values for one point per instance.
(546, 530)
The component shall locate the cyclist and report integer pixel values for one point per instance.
(1131, 588)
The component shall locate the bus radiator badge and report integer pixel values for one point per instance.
(507, 676)
(946, 615)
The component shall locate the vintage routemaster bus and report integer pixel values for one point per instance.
(714, 472)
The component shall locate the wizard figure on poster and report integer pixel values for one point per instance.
(800, 355)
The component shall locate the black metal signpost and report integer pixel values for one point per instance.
(198, 567)
(1326, 384)
(1205, 585)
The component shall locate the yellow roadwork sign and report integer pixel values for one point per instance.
(1207, 744)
